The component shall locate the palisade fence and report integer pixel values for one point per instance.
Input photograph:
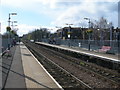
(94, 44)
(0, 44)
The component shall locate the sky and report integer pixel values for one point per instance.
(35, 14)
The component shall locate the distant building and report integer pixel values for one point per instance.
(80, 33)
(71, 33)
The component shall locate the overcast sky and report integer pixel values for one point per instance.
(33, 14)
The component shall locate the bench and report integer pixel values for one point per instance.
(105, 49)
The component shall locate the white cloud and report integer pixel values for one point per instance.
(28, 4)
(92, 10)
(62, 13)
(24, 29)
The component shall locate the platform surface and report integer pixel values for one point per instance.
(13, 74)
(27, 72)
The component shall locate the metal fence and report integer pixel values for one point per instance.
(86, 44)
(0, 44)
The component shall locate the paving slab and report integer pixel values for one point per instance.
(16, 77)
(35, 73)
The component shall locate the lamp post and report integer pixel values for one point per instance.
(111, 32)
(69, 24)
(88, 22)
(88, 32)
(8, 28)
(69, 32)
(13, 24)
(10, 17)
(60, 28)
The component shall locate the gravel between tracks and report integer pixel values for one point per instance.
(79, 72)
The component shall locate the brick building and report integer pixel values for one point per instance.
(70, 33)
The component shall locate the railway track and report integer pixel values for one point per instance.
(64, 78)
(79, 70)
(112, 75)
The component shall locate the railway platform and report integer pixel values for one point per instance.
(23, 70)
(106, 60)
(84, 51)
(110, 56)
